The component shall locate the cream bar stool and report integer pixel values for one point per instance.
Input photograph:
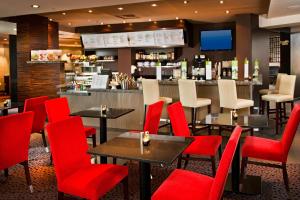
(151, 94)
(269, 91)
(285, 95)
(188, 98)
(228, 96)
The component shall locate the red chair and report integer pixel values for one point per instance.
(202, 145)
(14, 142)
(272, 150)
(187, 185)
(37, 105)
(58, 109)
(74, 172)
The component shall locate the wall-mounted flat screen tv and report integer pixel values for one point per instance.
(216, 40)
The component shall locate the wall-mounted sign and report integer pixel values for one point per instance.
(46, 55)
(159, 38)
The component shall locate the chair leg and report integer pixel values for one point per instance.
(284, 111)
(221, 109)
(220, 130)
(51, 159)
(213, 165)
(268, 109)
(260, 104)
(285, 177)
(186, 161)
(209, 109)
(6, 172)
(114, 160)
(60, 195)
(125, 188)
(280, 114)
(193, 118)
(277, 117)
(292, 105)
(145, 111)
(94, 140)
(220, 152)
(44, 141)
(262, 107)
(243, 168)
(179, 161)
(27, 174)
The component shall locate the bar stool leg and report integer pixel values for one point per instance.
(262, 107)
(145, 111)
(284, 110)
(280, 114)
(268, 109)
(221, 109)
(193, 119)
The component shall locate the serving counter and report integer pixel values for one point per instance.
(134, 99)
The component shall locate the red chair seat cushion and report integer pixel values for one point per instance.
(204, 145)
(89, 131)
(184, 185)
(262, 148)
(93, 181)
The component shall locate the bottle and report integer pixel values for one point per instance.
(234, 69)
(208, 71)
(246, 69)
(184, 69)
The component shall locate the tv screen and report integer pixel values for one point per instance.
(216, 40)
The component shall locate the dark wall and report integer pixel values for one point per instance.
(13, 67)
(285, 52)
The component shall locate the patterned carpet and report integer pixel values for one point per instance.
(44, 181)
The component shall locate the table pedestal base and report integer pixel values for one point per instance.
(251, 185)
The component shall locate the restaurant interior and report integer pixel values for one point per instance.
(150, 99)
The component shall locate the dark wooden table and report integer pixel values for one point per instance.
(252, 184)
(111, 113)
(4, 109)
(162, 150)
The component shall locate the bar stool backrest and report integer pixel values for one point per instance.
(150, 91)
(227, 93)
(287, 85)
(225, 162)
(37, 105)
(187, 93)
(277, 84)
(290, 130)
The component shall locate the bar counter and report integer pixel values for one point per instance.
(134, 99)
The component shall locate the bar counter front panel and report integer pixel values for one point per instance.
(134, 99)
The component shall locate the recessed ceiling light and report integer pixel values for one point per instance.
(130, 24)
(150, 20)
(63, 13)
(5, 39)
(155, 22)
(108, 25)
(70, 24)
(101, 23)
(35, 6)
(90, 11)
(177, 18)
(120, 8)
(196, 11)
(221, 2)
(227, 12)
(15, 29)
(185, 2)
(124, 22)
(50, 20)
(154, 5)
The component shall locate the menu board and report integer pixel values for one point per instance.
(99, 82)
(159, 38)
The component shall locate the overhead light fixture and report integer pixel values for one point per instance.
(124, 22)
(150, 20)
(5, 39)
(90, 11)
(227, 12)
(101, 23)
(120, 8)
(196, 11)
(108, 25)
(63, 13)
(70, 24)
(50, 20)
(177, 18)
(185, 2)
(155, 22)
(154, 5)
(221, 2)
(35, 6)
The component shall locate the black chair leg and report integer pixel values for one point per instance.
(44, 141)
(220, 152)
(125, 188)
(221, 109)
(268, 109)
(27, 174)
(6, 172)
(114, 160)
(94, 140)
(186, 161)
(285, 176)
(243, 168)
(193, 119)
(277, 118)
(213, 165)
(145, 111)
(179, 161)
(60, 195)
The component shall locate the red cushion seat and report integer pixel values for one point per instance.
(89, 131)
(204, 145)
(93, 181)
(185, 186)
(263, 148)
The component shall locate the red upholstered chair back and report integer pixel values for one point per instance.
(178, 121)
(226, 160)
(290, 130)
(57, 109)
(153, 117)
(15, 133)
(37, 105)
(68, 145)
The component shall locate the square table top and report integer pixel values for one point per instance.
(13, 105)
(162, 149)
(95, 112)
(247, 121)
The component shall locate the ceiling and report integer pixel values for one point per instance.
(9, 8)
(198, 10)
(280, 8)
